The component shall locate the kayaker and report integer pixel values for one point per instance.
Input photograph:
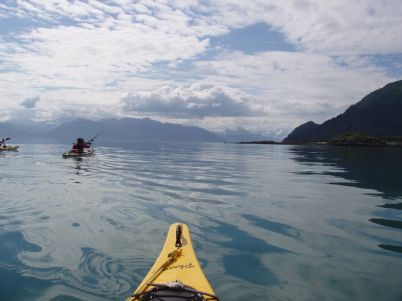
(3, 143)
(79, 145)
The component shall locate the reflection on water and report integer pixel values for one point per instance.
(271, 226)
(397, 206)
(397, 249)
(269, 222)
(372, 168)
(387, 222)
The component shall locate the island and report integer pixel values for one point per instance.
(259, 142)
(361, 139)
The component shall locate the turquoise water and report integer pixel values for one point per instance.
(269, 222)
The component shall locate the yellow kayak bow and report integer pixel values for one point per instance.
(176, 274)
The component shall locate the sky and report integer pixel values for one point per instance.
(260, 64)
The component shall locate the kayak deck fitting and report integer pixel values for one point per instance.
(176, 274)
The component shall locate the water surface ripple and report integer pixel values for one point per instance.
(269, 222)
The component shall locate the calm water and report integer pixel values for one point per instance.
(268, 222)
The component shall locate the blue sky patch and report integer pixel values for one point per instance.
(15, 25)
(255, 38)
(390, 62)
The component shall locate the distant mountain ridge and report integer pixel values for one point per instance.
(10, 130)
(117, 129)
(242, 135)
(133, 129)
(377, 114)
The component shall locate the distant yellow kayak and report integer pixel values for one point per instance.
(176, 275)
(9, 148)
(86, 153)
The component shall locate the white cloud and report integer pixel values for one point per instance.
(296, 86)
(332, 27)
(95, 51)
(195, 101)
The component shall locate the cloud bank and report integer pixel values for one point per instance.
(81, 57)
(195, 101)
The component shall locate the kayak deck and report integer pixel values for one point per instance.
(177, 265)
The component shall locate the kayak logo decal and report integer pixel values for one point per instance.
(180, 267)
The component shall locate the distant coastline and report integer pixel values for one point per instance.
(259, 142)
(346, 139)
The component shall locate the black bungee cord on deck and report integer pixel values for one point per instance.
(178, 237)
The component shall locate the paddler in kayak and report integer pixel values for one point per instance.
(81, 148)
(3, 142)
(80, 145)
(5, 147)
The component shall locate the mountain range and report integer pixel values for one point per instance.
(128, 129)
(10, 130)
(377, 114)
(240, 135)
(114, 129)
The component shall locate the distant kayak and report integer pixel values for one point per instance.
(85, 153)
(9, 148)
(81, 148)
(176, 275)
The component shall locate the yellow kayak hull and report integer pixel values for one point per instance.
(175, 264)
(78, 155)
